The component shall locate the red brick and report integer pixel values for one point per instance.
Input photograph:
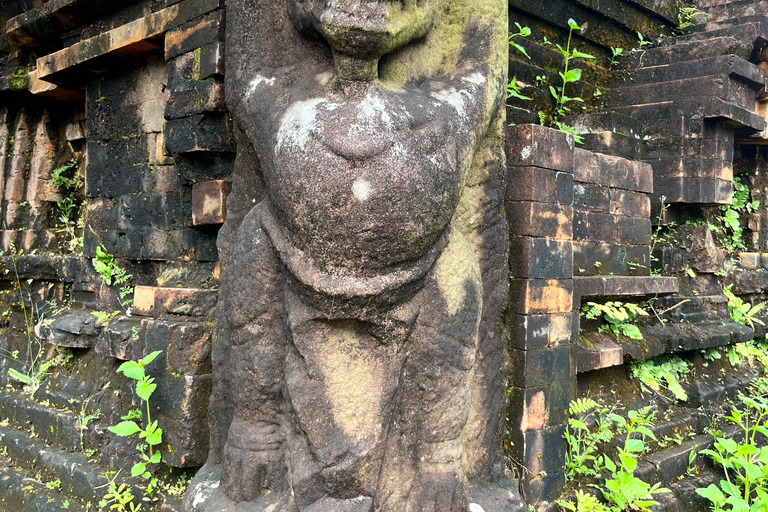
(209, 202)
(540, 220)
(586, 166)
(532, 144)
(536, 296)
(184, 301)
(630, 204)
(144, 300)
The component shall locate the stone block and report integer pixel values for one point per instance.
(123, 338)
(633, 230)
(194, 97)
(527, 183)
(200, 132)
(750, 260)
(129, 39)
(527, 218)
(692, 168)
(181, 405)
(600, 352)
(540, 258)
(532, 144)
(537, 408)
(586, 166)
(588, 197)
(203, 31)
(185, 301)
(189, 348)
(531, 332)
(694, 190)
(594, 227)
(144, 300)
(212, 61)
(593, 258)
(546, 367)
(536, 296)
(629, 204)
(209, 202)
(542, 453)
(616, 172)
(75, 329)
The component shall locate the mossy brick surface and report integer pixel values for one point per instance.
(593, 258)
(195, 97)
(210, 132)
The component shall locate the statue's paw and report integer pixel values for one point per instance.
(248, 474)
(436, 492)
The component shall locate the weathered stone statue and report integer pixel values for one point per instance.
(358, 358)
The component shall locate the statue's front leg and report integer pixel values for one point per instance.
(422, 467)
(253, 464)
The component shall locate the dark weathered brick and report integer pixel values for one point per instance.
(212, 61)
(530, 332)
(542, 367)
(590, 197)
(528, 183)
(209, 202)
(200, 132)
(532, 144)
(540, 219)
(197, 33)
(535, 296)
(195, 97)
(540, 258)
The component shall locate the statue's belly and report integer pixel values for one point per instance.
(368, 198)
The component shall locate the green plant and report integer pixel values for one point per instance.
(84, 419)
(743, 458)
(152, 434)
(54, 485)
(685, 18)
(615, 54)
(743, 312)
(521, 32)
(621, 489)
(643, 41)
(69, 183)
(729, 225)
(107, 267)
(657, 236)
(624, 490)
(583, 443)
(39, 368)
(514, 90)
(568, 75)
(118, 497)
(618, 315)
(666, 369)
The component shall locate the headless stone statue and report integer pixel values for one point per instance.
(357, 358)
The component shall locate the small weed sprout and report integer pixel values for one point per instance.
(513, 89)
(107, 267)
